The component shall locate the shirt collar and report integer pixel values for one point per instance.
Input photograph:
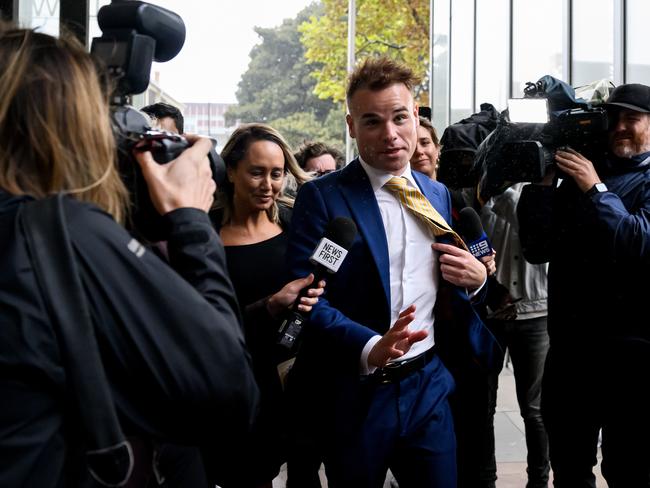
(379, 178)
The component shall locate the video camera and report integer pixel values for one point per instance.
(525, 140)
(134, 34)
(546, 128)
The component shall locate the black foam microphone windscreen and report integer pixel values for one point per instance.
(471, 230)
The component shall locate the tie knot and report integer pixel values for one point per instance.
(396, 183)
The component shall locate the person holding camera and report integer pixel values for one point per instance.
(168, 336)
(592, 224)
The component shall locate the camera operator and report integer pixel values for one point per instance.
(171, 346)
(593, 227)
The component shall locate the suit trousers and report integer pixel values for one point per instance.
(405, 426)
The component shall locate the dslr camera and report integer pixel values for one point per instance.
(134, 34)
(548, 118)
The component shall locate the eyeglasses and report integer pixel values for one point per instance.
(323, 173)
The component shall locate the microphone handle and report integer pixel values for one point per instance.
(319, 273)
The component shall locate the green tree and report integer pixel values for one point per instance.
(397, 28)
(278, 88)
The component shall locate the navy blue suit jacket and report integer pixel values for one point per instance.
(356, 305)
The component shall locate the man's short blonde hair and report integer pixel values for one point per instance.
(378, 72)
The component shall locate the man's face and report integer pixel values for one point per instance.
(630, 135)
(166, 123)
(384, 124)
(322, 164)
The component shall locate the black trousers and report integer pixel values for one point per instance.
(599, 387)
(527, 341)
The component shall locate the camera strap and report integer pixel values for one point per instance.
(109, 457)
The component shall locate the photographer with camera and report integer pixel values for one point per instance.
(592, 224)
(171, 358)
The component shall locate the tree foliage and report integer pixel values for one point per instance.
(278, 88)
(397, 28)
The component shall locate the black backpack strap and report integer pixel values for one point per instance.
(109, 458)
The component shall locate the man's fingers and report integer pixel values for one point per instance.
(407, 310)
(403, 321)
(394, 353)
(448, 249)
(417, 336)
(450, 260)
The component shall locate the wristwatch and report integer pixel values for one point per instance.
(597, 188)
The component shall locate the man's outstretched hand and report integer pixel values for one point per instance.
(397, 341)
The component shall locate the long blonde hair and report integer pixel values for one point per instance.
(55, 133)
(235, 150)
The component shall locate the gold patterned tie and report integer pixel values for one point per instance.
(419, 206)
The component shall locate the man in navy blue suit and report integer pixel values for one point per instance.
(370, 375)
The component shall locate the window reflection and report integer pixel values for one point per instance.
(440, 63)
(462, 57)
(638, 54)
(492, 53)
(593, 41)
(537, 42)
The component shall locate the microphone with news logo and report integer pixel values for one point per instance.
(326, 258)
(471, 230)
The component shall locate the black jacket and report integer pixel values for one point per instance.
(598, 248)
(172, 346)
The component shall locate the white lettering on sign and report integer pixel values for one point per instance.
(329, 254)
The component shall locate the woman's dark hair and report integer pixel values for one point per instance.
(235, 150)
(426, 123)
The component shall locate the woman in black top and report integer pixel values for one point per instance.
(253, 221)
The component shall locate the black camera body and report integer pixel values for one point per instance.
(521, 149)
(134, 34)
(584, 130)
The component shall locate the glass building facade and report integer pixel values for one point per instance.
(486, 50)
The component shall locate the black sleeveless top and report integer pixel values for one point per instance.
(258, 270)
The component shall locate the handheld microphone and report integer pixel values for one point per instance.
(471, 230)
(326, 258)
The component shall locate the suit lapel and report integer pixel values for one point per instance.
(429, 192)
(436, 201)
(357, 191)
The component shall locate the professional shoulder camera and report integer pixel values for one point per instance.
(134, 34)
(549, 117)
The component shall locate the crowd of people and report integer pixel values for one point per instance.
(399, 358)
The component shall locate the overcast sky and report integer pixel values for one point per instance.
(219, 38)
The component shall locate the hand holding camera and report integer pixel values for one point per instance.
(183, 182)
(577, 167)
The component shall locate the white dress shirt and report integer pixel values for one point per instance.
(414, 268)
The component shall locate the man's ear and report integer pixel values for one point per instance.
(416, 114)
(350, 122)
